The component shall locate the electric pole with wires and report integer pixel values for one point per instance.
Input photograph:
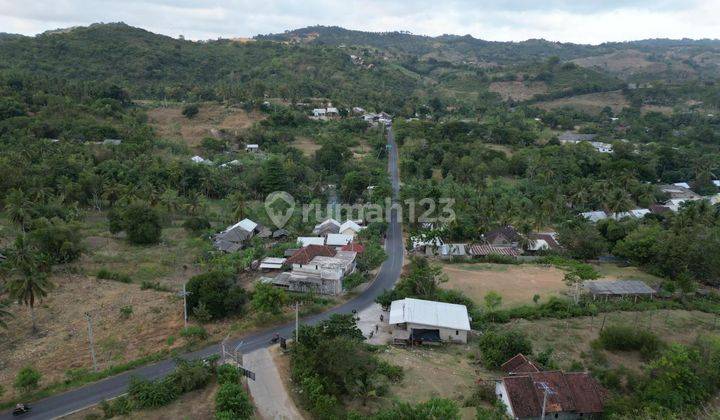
(546, 391)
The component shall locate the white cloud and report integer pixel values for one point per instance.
(589, 21)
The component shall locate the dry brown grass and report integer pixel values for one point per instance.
(592, 103)
(515, 283)
(570, 339)
(171, 124)
(306, 145)
(519, 91)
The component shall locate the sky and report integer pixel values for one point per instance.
(580, 21)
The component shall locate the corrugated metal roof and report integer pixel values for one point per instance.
(430, 313)
(618, 287)
(311, 240)
(338, 239)
(483, 250)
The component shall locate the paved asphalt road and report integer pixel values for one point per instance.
(88, 395)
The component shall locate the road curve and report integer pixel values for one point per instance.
(91, 394)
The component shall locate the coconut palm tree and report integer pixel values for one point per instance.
(28, 280)
(18, 208)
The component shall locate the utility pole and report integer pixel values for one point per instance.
(297, 322)
(546, 391)
(184, 294)
(90, 339)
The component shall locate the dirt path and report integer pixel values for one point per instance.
(271, 398)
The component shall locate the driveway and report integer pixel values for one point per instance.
(269, 394)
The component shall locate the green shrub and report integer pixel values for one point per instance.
(201, 313)
(126, 312)
(190, 375)
(353, 280)
(153, 285)
(393, 372)
(228, 374)
(268, 298)
(218, 292)
(151, 394)
(194, 333)
(190, 110)
(60, 241)
(27, 379)
(196, 224)
(233, 398)
(497, 347)
(120, 406)
(140, 221)
(106, 274)
(625, 338)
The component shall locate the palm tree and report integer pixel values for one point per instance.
(617, 201)
(237, 205)
(28, 279)
(170, 201)
(18, 207)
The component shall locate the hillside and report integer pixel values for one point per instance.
(637, 60)
(152, 65)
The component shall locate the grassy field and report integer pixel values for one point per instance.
(519, 91)
(591, 103)
(171, 124)
(515, 283)
(615, 272)
(570, 339)
(306, 145)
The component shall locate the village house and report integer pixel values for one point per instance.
(316, 269)
(504, 236)
(326, 227)
(594, 216)
(235, 237)
(338, 239)
(425, 321)
(310, 240)
(350, 227)
(252, 148)
(573, 395)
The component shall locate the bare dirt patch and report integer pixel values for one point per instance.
(445, 372)
(515, 283)
(625, 63)
(517, 90)
(306, 145)
(591, 103)
(171, 124)
(62, 342)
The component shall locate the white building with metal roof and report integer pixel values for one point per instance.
(428, 321)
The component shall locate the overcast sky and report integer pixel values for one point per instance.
(585, 21)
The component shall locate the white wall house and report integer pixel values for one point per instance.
(429, 321)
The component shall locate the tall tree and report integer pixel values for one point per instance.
(27, 272)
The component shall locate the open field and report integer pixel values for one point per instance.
(171, 124)
(306, 145)
(515, 283)
(615, 272)
(592, 103)
(519, 91)
(570, 339)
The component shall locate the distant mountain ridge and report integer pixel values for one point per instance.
(694, 58)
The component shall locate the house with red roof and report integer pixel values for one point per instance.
(528, 393)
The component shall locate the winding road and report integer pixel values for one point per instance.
(91, 394)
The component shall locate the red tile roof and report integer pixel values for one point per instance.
(359, 248)
(547, 237)
(573, 392)
(519, 364)
(305, 254)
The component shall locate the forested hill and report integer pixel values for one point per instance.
(679, 59)
(152, 65)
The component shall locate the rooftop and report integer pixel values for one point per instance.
(618, 287)
(431, 313)
(305, 254)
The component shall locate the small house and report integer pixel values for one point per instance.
(270, 263)
(326, 227)
(252, 148)
(350, 227)
(505, 236)
(338, 239)
(426, 321)
(557, 394)
(311, 240)
(594, 216)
